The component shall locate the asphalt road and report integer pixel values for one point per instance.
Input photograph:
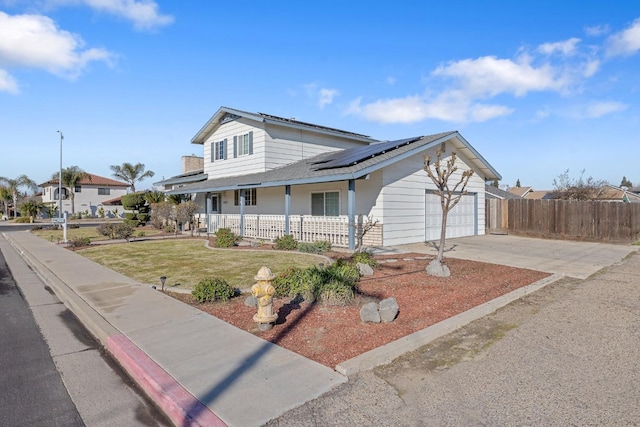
(52, 371)
(33, 392)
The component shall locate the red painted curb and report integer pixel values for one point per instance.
(179, 405)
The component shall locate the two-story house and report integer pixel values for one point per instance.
(90, 194)
(264, 176)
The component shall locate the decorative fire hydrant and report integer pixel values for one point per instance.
(263, 292)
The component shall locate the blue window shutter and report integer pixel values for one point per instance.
(224, 149)
(251, 142)
(213, 152)
(235, 147)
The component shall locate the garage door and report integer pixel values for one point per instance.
(461, 220)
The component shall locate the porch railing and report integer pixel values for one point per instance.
(304, 228)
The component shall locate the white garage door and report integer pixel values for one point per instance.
(461, 220)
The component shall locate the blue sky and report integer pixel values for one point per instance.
(536, 87)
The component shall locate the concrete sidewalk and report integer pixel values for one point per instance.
(199, 369)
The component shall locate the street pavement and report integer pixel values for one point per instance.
(202, 371)
(565, 355)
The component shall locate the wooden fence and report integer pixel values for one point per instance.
(562, 219)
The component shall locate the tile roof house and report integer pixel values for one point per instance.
(264, 176)
(90, 194)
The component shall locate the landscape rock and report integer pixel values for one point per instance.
(369, 313)
(251, 301)
(388, 309)
(438, 269)
(364, 269)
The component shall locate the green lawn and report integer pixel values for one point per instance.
(187, 261)
(90, 232)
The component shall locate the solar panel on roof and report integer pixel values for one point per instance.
(352, 156)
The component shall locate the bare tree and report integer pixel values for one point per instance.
(361, 228)
(567, 188)
(449, 198)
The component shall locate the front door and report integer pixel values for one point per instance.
(215, 204)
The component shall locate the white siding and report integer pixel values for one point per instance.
(87, 199)
(285, 145)
(241, 165)
(404, 194)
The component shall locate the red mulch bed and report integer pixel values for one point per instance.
(332, 334)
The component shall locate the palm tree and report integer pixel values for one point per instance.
(71, 177)
(5, 198)
(13, 186)
(131, 173)
(31, 208)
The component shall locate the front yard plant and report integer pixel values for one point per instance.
(286, 243)
(225, 238)
(213, 289)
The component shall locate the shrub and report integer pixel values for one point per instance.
(79, 242)
(336, 284)
(364, 258)
(101, 212)
(132, 222)
(211, 290)
(169, 228)
(317, 247)
(141, 234)
(73, 225)
(36, 228)
(225, 238)
(130, 215)
(286, 243)
(23, 220)
(143, 217)
(115, 231)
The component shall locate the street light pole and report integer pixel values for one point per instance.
(60, 178)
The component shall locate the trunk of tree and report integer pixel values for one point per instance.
(443, 235)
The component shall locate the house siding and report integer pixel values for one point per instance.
(403, 195)
(241, 165)
(87, 199)
(285, 145)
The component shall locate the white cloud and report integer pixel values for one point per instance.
(411, 109)
(490, 76)
(566, 48)
(7, 83)
(323, 96)
(626, 42)
(600, 109)
(34, 41)
(144, 14)
(597, 30)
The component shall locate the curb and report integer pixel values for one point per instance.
(391, 351)
(180, 406)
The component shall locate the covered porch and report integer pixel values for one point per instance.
(304, 228)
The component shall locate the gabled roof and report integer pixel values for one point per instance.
(496, 193)
(520, 191)
(185, 178)
(91, 179)
(536, 195)
(306, 171)
(224, 113)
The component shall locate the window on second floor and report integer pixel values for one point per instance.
(77, 189)
(104, 191)
(243, 144)
(250, 197)
(325, 204)
(219, 150)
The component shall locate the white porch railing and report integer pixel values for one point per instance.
(304, 228)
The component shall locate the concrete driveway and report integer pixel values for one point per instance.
(574, 259)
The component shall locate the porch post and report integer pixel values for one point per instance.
(351, 212)
(241, 212)
(207, 210)
(287, 207)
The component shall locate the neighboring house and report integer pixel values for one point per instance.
(90, 194)
(492, 192)
(529, 193)
(611, 193)
(264, 176)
